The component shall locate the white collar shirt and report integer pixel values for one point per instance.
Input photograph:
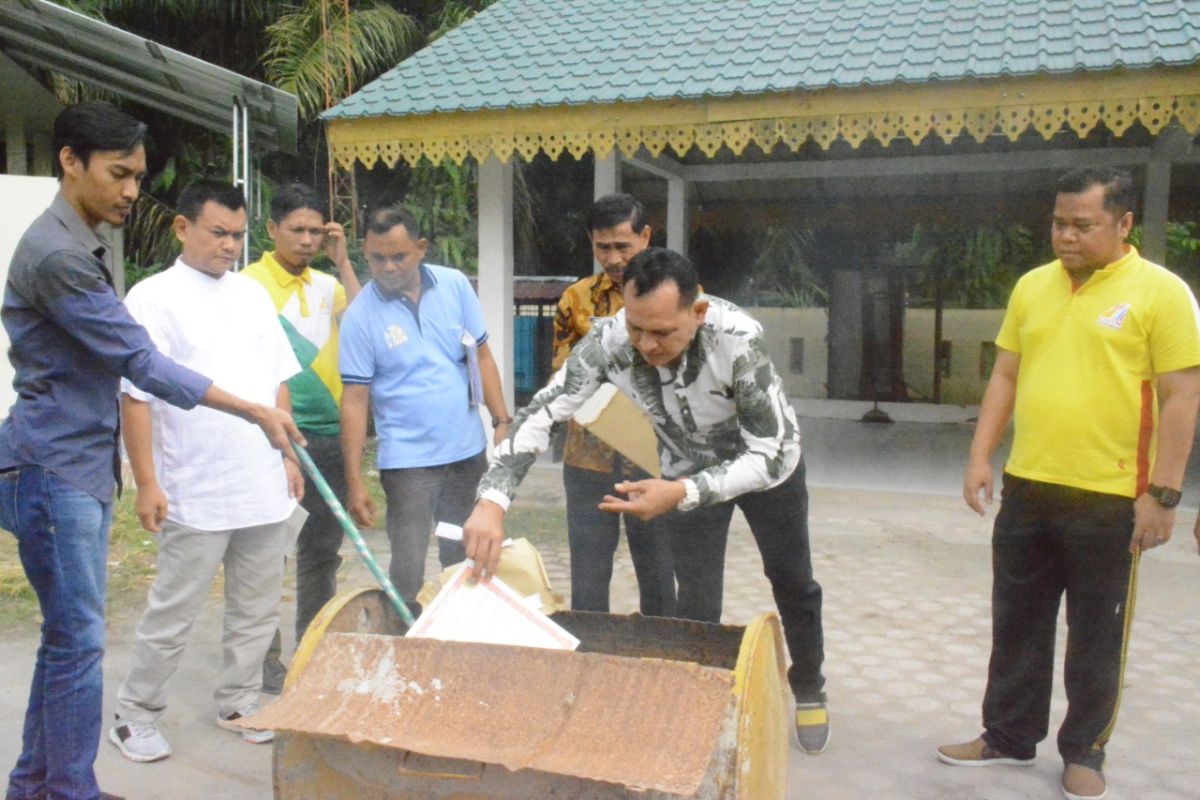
(218, 472)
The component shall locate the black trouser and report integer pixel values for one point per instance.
(417, 499)
(317, 558)
(778, 518)
(593, 536)
(1047, 540)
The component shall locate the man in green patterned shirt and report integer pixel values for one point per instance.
(310, 305)
(727, 436)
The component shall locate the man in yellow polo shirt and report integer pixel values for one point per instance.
(1098, 365)
(310, 303)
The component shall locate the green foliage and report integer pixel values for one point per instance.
(165, 179)
(150, 240)
(453, 14)
(442, 198)
(977, 266)
(235, 12)
(319, 53)
(136, 272)
(225, 32)
(1183, 239)
(1183, 249)
(781, 274)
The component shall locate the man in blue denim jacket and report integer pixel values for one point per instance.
(72, 342)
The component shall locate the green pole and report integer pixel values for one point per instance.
(348, 526)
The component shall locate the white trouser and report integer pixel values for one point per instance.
(188, 560)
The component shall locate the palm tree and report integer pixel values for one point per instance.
(324, 50)
(452, 14)
(319, 50)
(225, 32)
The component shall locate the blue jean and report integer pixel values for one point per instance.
(62, 537)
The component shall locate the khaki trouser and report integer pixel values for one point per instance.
(188, 560)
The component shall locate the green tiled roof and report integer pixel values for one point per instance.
(527, 53)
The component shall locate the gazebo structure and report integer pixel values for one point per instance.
(783, 91)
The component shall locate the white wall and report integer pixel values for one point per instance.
(780, 326)
(966, 329)
(22, 199)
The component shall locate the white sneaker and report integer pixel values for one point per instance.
(230, 723)
(139, 740)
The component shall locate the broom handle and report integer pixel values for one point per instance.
(348, 526)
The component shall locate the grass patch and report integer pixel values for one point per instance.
(17, 601)
(131, 556)
(543, 526)
(131, 553)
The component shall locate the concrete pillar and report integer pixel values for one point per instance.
(14, 145)
(677, 214)
(607, 181)
(43, 155)
(1172, 144)
(608, 175)
(496, 265)
(1154, 210)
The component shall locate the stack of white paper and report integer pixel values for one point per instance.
(488, 613)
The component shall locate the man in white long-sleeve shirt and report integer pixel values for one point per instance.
(209, 485)
(727, 437)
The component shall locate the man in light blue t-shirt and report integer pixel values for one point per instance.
(408, 348)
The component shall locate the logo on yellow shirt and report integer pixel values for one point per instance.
(1114, 317)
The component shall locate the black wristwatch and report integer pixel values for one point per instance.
(1167, 498)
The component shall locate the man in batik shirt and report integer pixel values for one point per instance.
(727, 437)
(618, 231)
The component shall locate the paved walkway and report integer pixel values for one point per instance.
(906, 581)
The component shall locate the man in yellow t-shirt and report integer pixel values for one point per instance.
(1098, 366)
(310, 304)
(618, 231)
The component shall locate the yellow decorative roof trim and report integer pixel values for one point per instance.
(979, 108)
